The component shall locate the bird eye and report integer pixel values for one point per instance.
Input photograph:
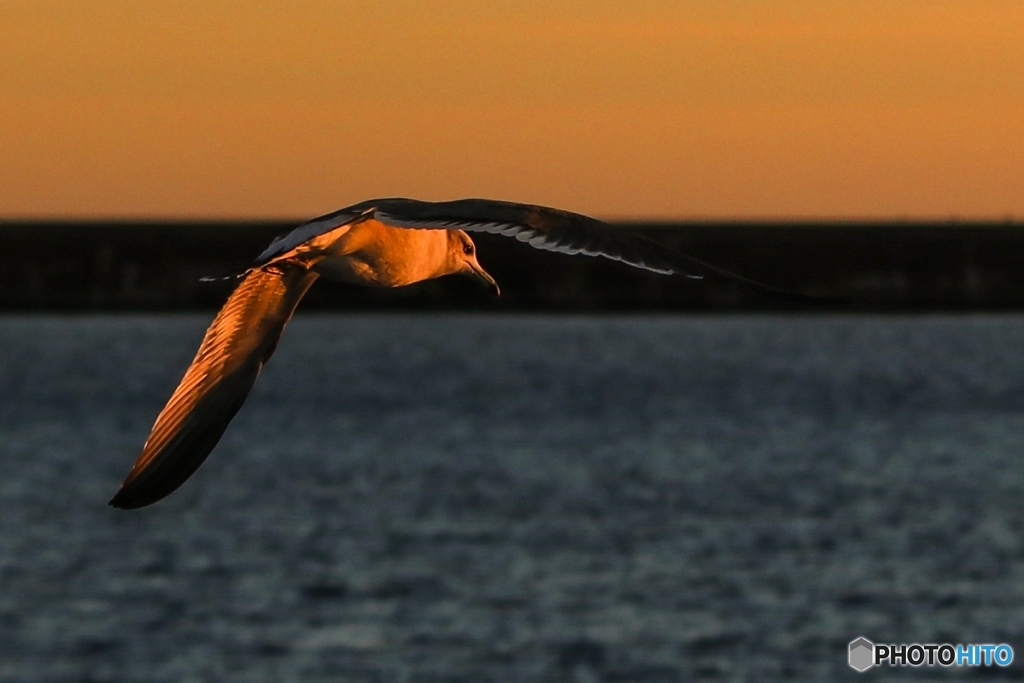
(468, 249)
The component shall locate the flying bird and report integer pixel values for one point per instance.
(377, 243)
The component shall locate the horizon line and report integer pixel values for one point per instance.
(92, 219)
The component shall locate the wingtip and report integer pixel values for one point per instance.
(123, 500)
(119, 503)
(142, 489)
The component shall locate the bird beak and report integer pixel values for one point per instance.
(480, 274)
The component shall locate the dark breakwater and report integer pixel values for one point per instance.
(895, 266)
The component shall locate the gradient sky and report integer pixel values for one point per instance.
(742, 108)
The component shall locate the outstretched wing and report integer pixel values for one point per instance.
(563, 231)
(241, 339)
(539, 226)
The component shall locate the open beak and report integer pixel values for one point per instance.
(483, 276)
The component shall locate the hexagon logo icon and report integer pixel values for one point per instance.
(862, 654)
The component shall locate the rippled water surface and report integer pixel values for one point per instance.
(491, 498)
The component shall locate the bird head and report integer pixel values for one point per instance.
(462, 254)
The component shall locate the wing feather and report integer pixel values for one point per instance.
(308, 232)
(566, 232)
(237, 344)
(539, 226)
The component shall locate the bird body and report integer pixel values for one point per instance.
(373, 254)
(378, 243)
(376, 255)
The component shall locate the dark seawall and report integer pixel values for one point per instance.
(895, 266)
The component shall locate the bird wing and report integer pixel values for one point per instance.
(240, 340)
(311, 231)
(541, 227)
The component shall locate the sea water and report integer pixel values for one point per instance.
(518, 498)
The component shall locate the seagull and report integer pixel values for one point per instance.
(378, 243)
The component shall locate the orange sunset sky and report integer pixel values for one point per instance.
(664, 109)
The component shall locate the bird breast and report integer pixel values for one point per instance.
(377, 255)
